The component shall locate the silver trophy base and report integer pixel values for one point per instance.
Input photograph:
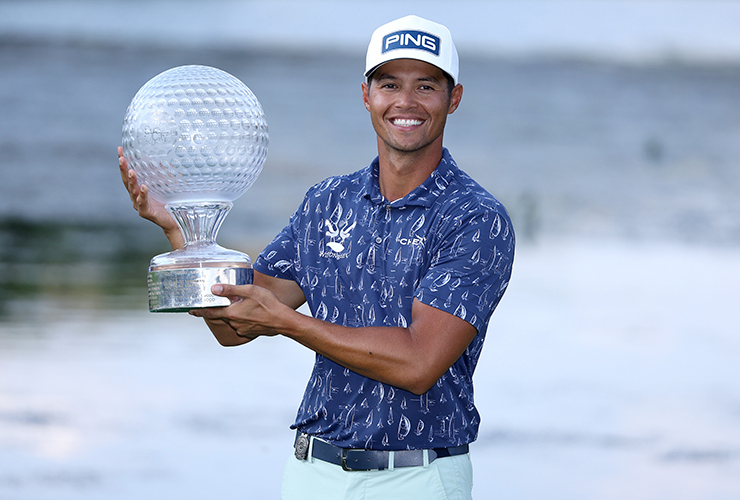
(182, 289)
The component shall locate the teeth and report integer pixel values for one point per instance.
(406, 122)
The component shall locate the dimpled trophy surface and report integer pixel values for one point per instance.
(197, 137)
(195, 133)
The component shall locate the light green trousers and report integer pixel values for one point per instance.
(448, 478)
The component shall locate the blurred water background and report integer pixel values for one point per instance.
(611, 131)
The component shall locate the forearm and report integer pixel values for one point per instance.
(225, 334)
(174, 235)
(392, 355)
(388, 354)
(410, 358)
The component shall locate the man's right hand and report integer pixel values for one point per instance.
(146, 207)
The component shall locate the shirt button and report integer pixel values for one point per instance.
(378, 240)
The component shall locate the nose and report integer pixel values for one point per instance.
(405, 98)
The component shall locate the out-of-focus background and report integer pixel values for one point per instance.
(610, 129)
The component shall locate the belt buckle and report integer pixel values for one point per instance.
(301, 446)
(343, 460)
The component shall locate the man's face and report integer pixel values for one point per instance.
(409, 101)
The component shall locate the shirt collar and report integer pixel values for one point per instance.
(424, 195)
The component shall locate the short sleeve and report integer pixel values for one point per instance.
(279, 256)
(470, 265)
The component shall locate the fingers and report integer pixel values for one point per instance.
(142, 199)
(123, 165)
(232, 291)
(222, 314)
(128, 176)
(212, 313)
(249, 315)
(235, 293)
(134, 190)
(139, 194)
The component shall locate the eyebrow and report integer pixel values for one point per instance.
(389, 76)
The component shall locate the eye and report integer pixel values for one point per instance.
(427, 89)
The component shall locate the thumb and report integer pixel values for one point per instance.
(226, 290)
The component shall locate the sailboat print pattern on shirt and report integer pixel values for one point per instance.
(361, 261)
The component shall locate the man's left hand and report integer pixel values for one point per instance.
(254, 311)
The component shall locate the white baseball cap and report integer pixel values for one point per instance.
(412, 37)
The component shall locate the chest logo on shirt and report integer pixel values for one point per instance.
(337, 235)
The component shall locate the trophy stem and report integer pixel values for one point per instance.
(181, 280)
(199, 222)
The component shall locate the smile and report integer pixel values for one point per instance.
(406, 122)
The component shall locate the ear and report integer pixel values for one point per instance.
(366, 95)
(455, 98)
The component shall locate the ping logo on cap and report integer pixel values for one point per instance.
(409, 39)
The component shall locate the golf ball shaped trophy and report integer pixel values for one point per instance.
(197, 137)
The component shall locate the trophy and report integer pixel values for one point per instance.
(196, 136)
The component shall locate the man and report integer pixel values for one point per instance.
(402, 264)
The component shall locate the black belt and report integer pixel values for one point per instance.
(353, 459)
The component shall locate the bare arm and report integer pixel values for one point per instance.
(148, 208)
(411, 358)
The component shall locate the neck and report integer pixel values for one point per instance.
(401, 172)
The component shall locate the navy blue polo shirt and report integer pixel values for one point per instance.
(360, 261)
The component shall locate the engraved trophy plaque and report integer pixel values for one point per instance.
(197, 137)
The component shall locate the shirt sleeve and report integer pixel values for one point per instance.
(279, 256)
(470, 265)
